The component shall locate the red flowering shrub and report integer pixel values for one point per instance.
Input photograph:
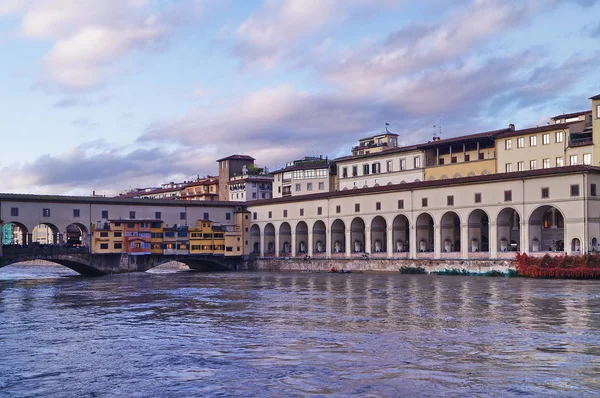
(582, 267)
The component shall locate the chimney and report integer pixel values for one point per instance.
(511, 127)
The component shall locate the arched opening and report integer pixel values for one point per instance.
(255, 239)
(378, 235)
(45, 234)
(338, 237)
(269, 239)
(319, 237)
(301, 238)
(357, 235)
(14, 234)
(425, 238)
(546, 230)
(576, 246)
(594, 244)
(509, 230)
(479, 231)
(76, 234)
(450, 232)
(285, 239)
(400, 234)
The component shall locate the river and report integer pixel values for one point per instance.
(185, 334)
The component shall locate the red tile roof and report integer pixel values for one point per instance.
(570, 115)
(464, 138)
(539, 129)
(237, 157)
(595, 97)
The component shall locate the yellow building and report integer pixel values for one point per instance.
(207, 238)
(107, 238)
(156, 237)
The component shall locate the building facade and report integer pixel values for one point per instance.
(307, 176)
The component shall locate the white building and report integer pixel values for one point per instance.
(306, 176)
(248, 187)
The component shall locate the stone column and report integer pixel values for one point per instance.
(263, 242)
(293, 245)
(437, 238)
(464, 241)
(310, 247)
(348, 247)
(412, 232)
(276, 244)
(524, 237)
(367, 239)
(493, 239)
(390, 242)
(28, 238)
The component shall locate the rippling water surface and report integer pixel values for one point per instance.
(295, 334)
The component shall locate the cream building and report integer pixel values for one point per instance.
(491, 216)
(307, 176)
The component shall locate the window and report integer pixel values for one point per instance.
(338, 209)
(520, 166)
(344, 172)
(45, 212)
(508, 196)
(508, 167)
(441, 161)
(298, 187)
(270, 214)
(400, 203)
(301, 212)
(532, 164)
(354, 171)
(132, 214)
(104, 246)
(285, 213)
(157, 215)
(182, 215)
(546, 163)
(508, 144)
(478, 198)
(118, 234)
(321, 186)
(453, 159)
(76, 213)
(118, 245)
(228, 216)
(417, 162)
(587, 158)
(319, 211)
(357, 207)
(254, 216)
(365, 169)
(573, 160)
(597, 111)
(423, 202)
(545, 193)
(377, 205)
(481, 156)
(389, 165)
(533, 140)
(309, 186)
(450, 200)
(376, 168)
(14, 212)
(575, 190)
(559, 161)
(520, 142)
(559, 136)
(467, 157)
(592, 189)
(545, 139)
(254, 195)
(104, 234)
(402, 164)
(205, 216)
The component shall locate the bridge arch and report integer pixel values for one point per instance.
(357, 235)
(546, 229)
(301, 238)
(450, 232)
(378, 235)
(338, 236)
(14, 233)
(319, 232)
(255, 239)
(401, 233)
(77, 234)
(45, 233)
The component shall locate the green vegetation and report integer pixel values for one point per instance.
(412, 270)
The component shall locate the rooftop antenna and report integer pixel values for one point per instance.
(386, 128)
(440, 126)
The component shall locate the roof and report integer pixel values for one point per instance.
(124, 220)
(237, 157)
(464, 138)
(251, 179)
(431, 184)
(570, 115)
(95, 200)
(305, 166)
(151, 192)
(595, 97)
(386, 132)
(539, 129)
(380, 153)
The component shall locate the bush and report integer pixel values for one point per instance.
(412, 270)
(586, 266)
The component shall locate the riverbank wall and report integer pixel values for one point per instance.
(383, 265)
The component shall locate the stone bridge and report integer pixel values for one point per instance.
(80, 260)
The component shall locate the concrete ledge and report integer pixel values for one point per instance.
(381, 265)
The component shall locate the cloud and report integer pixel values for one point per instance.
(97, 165)
(272, 33)
(90, 39)
(79, 101)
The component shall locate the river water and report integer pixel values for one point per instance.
(181, 334)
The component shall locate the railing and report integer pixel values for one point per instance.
(10, 250)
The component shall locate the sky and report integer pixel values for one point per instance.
(106, 96)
